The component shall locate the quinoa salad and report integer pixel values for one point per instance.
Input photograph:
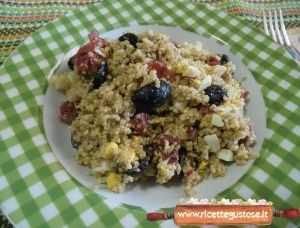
(143, 107)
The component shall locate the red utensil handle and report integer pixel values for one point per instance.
(291, 213)
(155, 216)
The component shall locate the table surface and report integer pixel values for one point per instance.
(19, 18)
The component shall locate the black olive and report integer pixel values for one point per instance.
(224, 59)
(149, 97)
(71, 63)
(101, 75)
(216, 94)
(130, 37)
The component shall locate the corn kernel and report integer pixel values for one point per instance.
(203, 164)
(202, 167)
(110, 150)
(127, 156)
(113, 181)
(179, 68)
(196, 83)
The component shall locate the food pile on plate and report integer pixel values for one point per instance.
(143, 108)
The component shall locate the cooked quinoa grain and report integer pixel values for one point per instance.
(158, 110)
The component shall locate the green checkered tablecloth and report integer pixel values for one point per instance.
(35, 191)
(19, 18)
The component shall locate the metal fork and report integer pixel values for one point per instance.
(274, 26)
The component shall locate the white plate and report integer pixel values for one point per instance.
(154, 196)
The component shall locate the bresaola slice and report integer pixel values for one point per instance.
(89, 56)
(139, 123)
(162, 71)
(67, 112)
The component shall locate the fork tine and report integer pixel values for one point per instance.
(271, 26)
(283, 29)
(279, 36)
(265, 23)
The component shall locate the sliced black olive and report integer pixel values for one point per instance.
(149, 97)
(144, 163)
(71, 63)
(224, 59)
(101, 75)
(150, 149)
(130, 37)
(74, 143)
(196, 124)
(216, 94)
(182, 155)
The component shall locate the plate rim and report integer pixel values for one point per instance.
(49, 131)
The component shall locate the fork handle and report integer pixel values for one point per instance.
(294, 53)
